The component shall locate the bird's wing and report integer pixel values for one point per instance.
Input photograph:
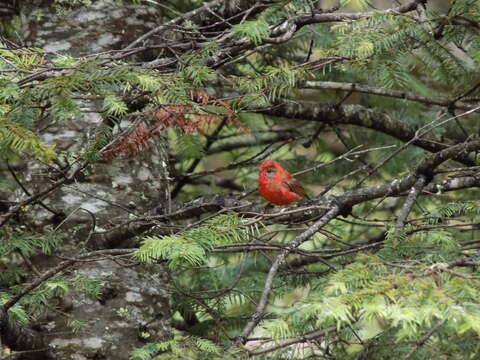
(294, 186)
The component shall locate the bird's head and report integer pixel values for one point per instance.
(269, 168)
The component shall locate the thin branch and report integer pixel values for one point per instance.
(42, 194)
(176, 21)
(210, 140)
(407, 206)
(262, 154)
(296, 340)
(247, 143)
(424, 339)
(264, 298)
(25, 190)
(57, 269)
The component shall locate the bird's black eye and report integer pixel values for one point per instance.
(270, 172)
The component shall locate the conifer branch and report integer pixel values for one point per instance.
(425, 338)
(279, 33)
(400, 47)
(348, 199)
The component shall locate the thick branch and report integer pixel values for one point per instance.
(364, 117)
(286, 30)
(230, 49)
(424, 169)
(352, 87)
(320, 17)
(112, 238)
(210, 204)
(399, 186)
(451, 184)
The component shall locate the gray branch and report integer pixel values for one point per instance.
(424, 339)
(264, 298)
(361, 116)
(407, 206)
(312, 84)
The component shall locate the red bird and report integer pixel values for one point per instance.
(277, 185)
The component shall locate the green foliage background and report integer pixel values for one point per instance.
(403, 299)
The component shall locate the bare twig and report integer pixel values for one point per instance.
(57, 269)
(407, 206)
(424, 339)
(73, 172)
(25, 190)
(296, 340)
(263, 302)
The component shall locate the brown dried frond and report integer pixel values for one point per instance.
(136, 137)
(169, 115)
(131, 141)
